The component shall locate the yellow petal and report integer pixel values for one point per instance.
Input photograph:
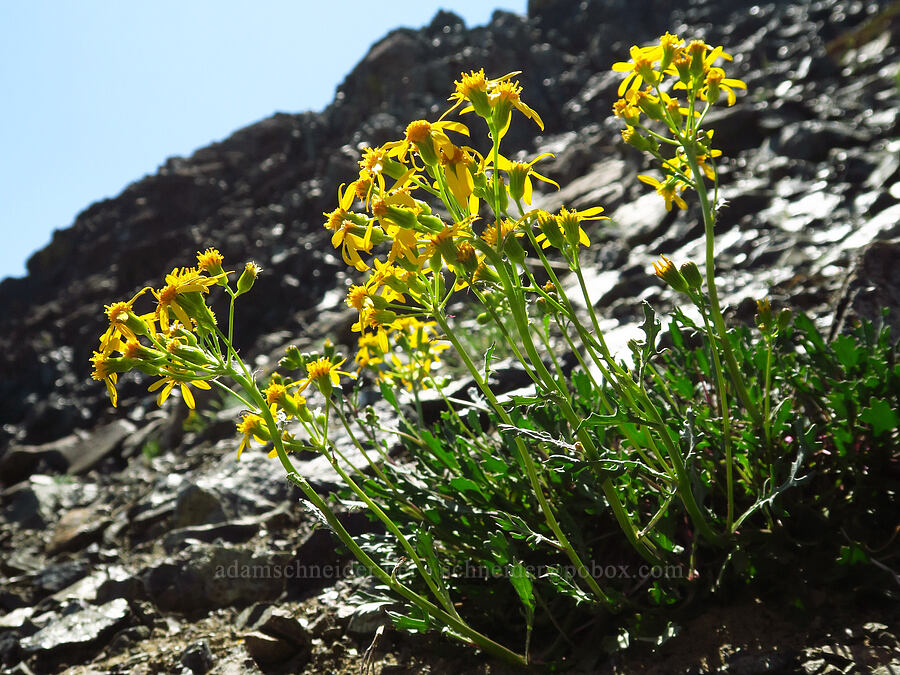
(187, 395)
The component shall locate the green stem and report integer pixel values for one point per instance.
(451, 620)
(709, 220)
(726, 424)
(527, 463)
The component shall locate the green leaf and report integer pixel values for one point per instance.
(805, 325)
(852, 555)
(595, 420)
(488, 355)
(465, 485)
(847, 351)
(521, 581)
(539, 436)
(880, 415)
(446, 457)
(414, 624)
(388, 394)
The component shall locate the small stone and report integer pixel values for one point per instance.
(197, 506)
(267, 650)
(16, 619)
(76, 529)
(197, 658)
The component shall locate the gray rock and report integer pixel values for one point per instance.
(197, 658)
(102, 442)
(268, 650)
(197, 506)
(77, 636)
(872, 285)
(57, 576)
(207, 577)
(16, 619)
(19, 462)
(233, 532)
(76, 529)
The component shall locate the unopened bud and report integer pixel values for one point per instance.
(665, 269)
(248, 277)
(692, 275)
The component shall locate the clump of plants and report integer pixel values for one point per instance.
(613, 487)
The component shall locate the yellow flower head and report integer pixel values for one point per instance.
(358, 296)
(252, 426)
(167, 383)
(181, 282)
(503, 98)
(324, 373)
(473, 87)
(210, 261)
(570, 223)
(668, 190)
(103, 372)
(428, 138)
(123, 322)
(640, 68)
(275, 393)
(520, 174)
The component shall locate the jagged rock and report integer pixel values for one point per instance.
(197, 658)
(76, 529)
(268, 650)
(197, 506)
(118, 582)
(233, 531)
(872, 285)
(206, 577)
(794, 220)
(58, 576)
(76, 637)
(20, 462)
(276, 623)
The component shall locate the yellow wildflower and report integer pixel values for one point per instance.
(180, 282)
(252, 426)
(640, 68)
(167, 383)
(103, 372)
(667, 190)
(428, 138)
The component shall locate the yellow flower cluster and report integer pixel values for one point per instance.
(166, 341)
(667, 68)
(420, 247)
(417, 354)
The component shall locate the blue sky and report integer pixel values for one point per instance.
(97, 94)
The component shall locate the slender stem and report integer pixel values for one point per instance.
(457, 624)
(726, 424)
(362, 450)
(438, 593)
(690, 152)
(527, 463)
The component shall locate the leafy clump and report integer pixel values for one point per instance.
(612, 487)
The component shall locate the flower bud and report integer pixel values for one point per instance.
(210, 261)
(665, 269)
(692, 275)
(784, 318)
(247, 278)
(764, 315)
(635, 139)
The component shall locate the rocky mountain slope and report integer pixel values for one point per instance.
(813, 177)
